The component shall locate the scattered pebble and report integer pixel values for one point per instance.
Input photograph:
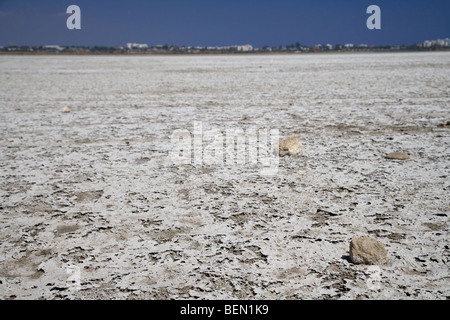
(290, 147)
(66, 229)
(366, 250)
(66, 110)
(397, 156)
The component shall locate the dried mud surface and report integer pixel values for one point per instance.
(96, 190)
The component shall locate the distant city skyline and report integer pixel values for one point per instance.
(222, 23)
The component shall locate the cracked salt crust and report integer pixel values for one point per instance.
(96, 189)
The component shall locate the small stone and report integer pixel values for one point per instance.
(366, 250)
(66, 110)
(397, 156)
(290, 147)
(66, 229)
(448, 123)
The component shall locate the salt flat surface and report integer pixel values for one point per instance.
(93, 206)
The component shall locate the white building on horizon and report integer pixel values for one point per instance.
(245, 48)
(137, 46)
(443, 42)
(53, 47)
(439, 42)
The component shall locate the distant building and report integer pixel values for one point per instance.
(349, 45)
(136, 46)
(443, 42)
(53, 48)
(245, 48)
(439, 42)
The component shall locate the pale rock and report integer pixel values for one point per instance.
(366, 250)
(65, 110)
(397, 156)
(290, 147)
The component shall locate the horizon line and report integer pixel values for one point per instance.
(296, 43)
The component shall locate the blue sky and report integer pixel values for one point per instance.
(222, 22)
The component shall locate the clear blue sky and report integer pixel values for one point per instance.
(222, 22)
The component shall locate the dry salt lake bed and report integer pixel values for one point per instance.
(92, 206)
